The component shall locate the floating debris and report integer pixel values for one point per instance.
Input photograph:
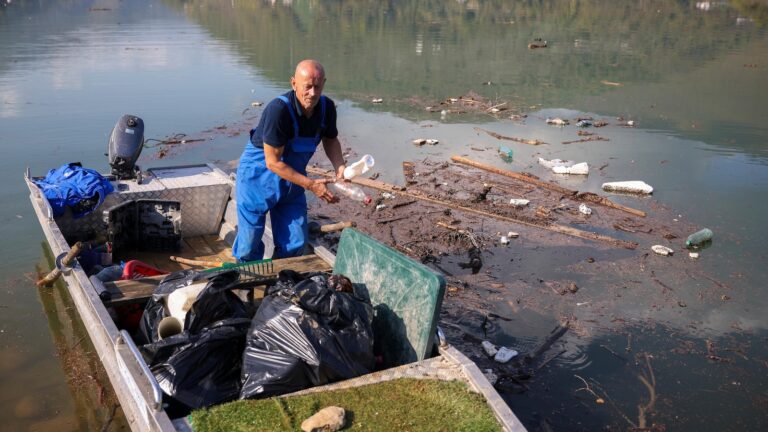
(419, 141)
(489, 348)
(584, 123)
(377, 100)
(611, 83)
(555, 162)
(583, 209)
(432, 141)
(519, 202)
(662, 250)
(631, 186)
(504, 240)
(579, 169)
(534, 45)
(693, 255)
(557, 121)
(513, 234)
(504, 355)
(257, 104)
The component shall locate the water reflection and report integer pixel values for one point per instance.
(662, 55)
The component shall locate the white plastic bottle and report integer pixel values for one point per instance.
(350, 191)
(360, 167)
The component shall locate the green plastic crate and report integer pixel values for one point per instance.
(406, 296)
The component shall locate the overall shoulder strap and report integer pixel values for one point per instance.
(293, 115)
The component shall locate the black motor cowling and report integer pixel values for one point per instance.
(125, 144)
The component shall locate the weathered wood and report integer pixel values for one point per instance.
(420, 196)
(336, 226)
(597, 199)
(51, 277)
(514, 175)
(533, 142)
(194, 262)
(583, 196)
(137, 290)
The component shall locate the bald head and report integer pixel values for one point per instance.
(307, 81)
(309, 67)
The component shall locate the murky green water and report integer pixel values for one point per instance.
(694, 78)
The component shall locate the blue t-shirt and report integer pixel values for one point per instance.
(276, 125)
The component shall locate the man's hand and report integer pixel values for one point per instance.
(318, 188)
(340, 172)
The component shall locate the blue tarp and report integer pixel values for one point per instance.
(71, 185)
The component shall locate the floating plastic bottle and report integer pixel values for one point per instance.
(360, 167)
(350, 191)
(699, 237)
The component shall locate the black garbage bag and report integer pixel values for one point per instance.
(214, 303)
(199, 370)
(201, 366)
(306, 334)
(154, 311)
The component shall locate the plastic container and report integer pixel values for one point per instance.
(360, 167)
(350, 191)
(699, 237)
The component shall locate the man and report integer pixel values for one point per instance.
(272, 174)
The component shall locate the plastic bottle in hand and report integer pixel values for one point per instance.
(350, 191)
(360, 167)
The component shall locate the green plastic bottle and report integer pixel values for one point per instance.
(699, 237)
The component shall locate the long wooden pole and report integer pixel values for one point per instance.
(415, 194)
(595, 199)
(51, 277)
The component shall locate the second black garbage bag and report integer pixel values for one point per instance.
(305, 334)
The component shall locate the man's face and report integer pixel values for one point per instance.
(308, 85)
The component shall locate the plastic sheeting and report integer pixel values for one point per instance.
(306, 334)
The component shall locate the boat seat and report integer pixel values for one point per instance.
(139, 290)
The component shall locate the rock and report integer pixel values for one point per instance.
(327, 419)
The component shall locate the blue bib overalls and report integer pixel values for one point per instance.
(259, 190)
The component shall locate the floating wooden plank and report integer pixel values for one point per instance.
(137, 290)
(420, 196)
(584, 196)
(517, 176)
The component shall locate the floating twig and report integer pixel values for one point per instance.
(503, 137)
(589, 138)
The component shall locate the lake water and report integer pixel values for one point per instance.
(693, 76)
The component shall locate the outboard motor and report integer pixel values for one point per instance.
(125, 145)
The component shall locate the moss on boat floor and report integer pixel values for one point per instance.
(402, 404)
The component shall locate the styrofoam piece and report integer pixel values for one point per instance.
(519, 202)
(489, 348)
(504, 355)
(555, 162)
(583, 209)
(630, 186)
(662, 250)
(579, 168)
